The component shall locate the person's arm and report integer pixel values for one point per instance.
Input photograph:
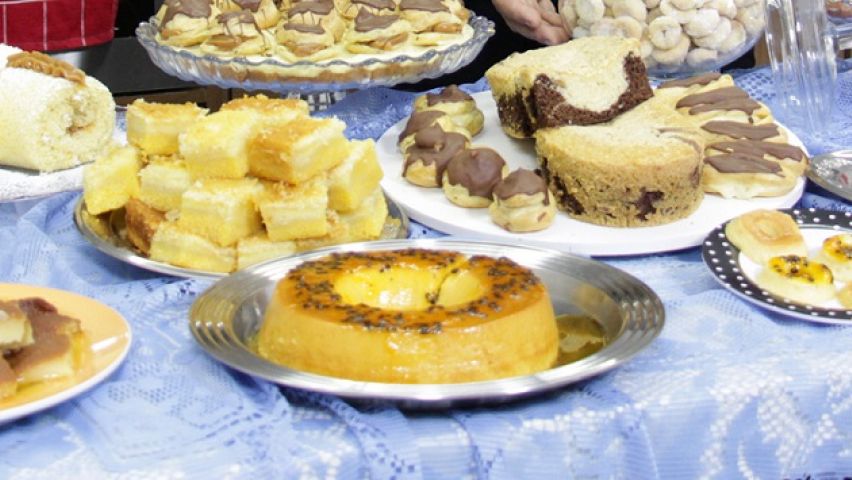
(534, 19)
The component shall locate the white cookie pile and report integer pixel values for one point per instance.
(699, 33)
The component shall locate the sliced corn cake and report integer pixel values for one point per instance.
(155, 127)
(163, 181)
(291, 212)
(215, 146)
(274, 109)
(221, 210)
(367, 221)
(297, 150)
(355, 178)
(111, 180)
(172, 244)
(259, 248)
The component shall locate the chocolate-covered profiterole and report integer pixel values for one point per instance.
(521, 182)
(424, 5)
(450, 94)
(703, 79)
(377, 4)
(742, 130)
(432, 150)
(367, 22)
(522, 203)
(318, 7)
(316, 29)
(417, 121)
(190, 8)
(476, 171)
(252, 5)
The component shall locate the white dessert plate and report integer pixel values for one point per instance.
(226, 318)
(108, 234)
(23, 184)
(106, 330)
(737, 273)
(430, 207)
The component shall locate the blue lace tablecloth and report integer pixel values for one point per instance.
(727, 391)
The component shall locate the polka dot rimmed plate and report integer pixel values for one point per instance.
(737, 273)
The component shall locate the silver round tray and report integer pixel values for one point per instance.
(226, 318)
(105, 233)
(274, 74)
(833, 172)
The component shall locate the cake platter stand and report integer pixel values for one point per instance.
(320, 83)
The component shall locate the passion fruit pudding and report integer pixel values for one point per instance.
(410, 316)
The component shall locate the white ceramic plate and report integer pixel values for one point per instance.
(105, 328)
(736, 272)
(430, 207)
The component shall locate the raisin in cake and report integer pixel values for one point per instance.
(582, 82)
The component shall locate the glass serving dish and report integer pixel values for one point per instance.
(275, 74)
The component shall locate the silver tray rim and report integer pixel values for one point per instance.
(131, 257)
(635, 334)
(817, 170)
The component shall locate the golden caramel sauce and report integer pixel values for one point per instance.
(84, 367)
(579, 337)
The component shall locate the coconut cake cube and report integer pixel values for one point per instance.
(163, 181)
(272, 109)
(259, 248)
(337, 233)
(355, 178)
(367, 221)
(174, 245)
(111, 180)
(222, 210)
(155, 127)
(215, 146)
(290, 212)
(297, 150)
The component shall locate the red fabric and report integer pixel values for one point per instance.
(56, 24)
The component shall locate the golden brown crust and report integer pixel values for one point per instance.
(39, 62)
(142, 222)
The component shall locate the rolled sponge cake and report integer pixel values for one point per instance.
(48, 122)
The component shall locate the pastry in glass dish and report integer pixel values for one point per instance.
(184, 23)
(432, 21)
(239, 35)
(376, 33)
(317, 12)
(302, 41)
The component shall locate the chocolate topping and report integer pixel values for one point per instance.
(190, 8)
(252, 5)
(728, 98)
(759, 149)
(745, 105)
(451, 94)
(243, 16)
(478, 170)
(742, 163)
(36, 306)
(319, 7)
(305, 28)
(424, 5)
(377, 4)
(742, 130)
(703, 79)
(419, 120)
(367, 22)
(521, 182)
(434, 146)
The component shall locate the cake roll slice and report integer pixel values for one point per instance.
(52, 116)
(15, 328)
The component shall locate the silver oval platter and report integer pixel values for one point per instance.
(737, 273)
(833, 172)
(105, 232)
(225, 319)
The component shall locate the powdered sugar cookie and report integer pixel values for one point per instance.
(686, 4)
(675, 55)
(715, 39)
(726, 8)
(752, 18)
(701, 56)
(589, 10)
(652, 3)
(631, 8)
(629, 26)
(682, 16)
(665, 32)
(704, 22)
(735, 40)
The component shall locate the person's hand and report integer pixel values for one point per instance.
(534, 19)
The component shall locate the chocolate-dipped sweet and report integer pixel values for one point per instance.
(457, 104)
(742, 163)
(471, 175)
(702, 80)
(760, 149)
(427, 158)
(186, 23)
(742, 130)
(424, 5)
(522, 202)
(450, 94)
(190, 8)
(728, 98)
(417, 121)
(367, 22)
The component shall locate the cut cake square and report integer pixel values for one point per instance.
(15, 328)
(142, 222)
(222, 210)
(111, 180)
(581, 82)
(355, 178)
(367, 221)
(297, 150)
(259, 248)
(163, 181)
(155, 127)
(290, 212)
(174, 245)
(55, 352)
(215, 146)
